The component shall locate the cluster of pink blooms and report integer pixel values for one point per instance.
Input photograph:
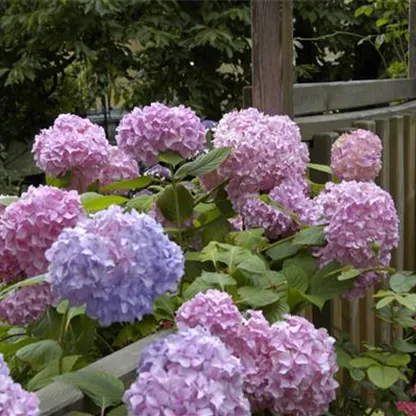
(121, 166)
(29, 227)
(14, 401)
(408, 408)
(356, 156)
(362, 229)
(289, 367)
(72, 145)
(146, 132)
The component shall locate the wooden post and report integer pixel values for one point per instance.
(272, 55)
(412, 38)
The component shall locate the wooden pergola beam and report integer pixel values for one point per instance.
(272, 55)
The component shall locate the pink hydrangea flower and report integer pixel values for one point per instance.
(73, 144)
(26, 304)
(408, 408)
(146, 132)
(357, 156)
(265, 151)
(214, 310)
(359, 215)
(121, 166)
(30, 225)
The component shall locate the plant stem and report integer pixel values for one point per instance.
(178, 223)
(277, 243)
(61, 337)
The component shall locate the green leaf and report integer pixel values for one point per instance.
(311, 236)
(253, 265)
(320, 168)
(404, 346)
(164, 308)
(142, 203)
(102, 388)
(362, 362)
(400, 282)
(197, 286)
(274, 312)
(398, 360)
(97, 202)
(138, 183)
(256, 297)
(216, 230)
(349, 274)
(203, 164)
(384, 302)
(26, 282)
(61, 182)
(177, 206)
(251, 239)
(40, 353)
(383, 377)
(382, 21)
(343, 357)
(170, 157)
(7, 200)
(230, 255)
(408, 301)
(45, 376)
(357, 374)
(303, 260)
(282, 250)
(314, 300)
(119, 411)
(296, 278)
(220, 279)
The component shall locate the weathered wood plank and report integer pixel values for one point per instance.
(412, 39)
(410, 178)
(316, 98)
(383, 131)
(272, 55)
(397, 182)
(58, 399)
(311, 125)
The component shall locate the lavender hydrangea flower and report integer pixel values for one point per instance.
(214, 310)
(359, 215)
(116, 263)
(26, 305)
(30, 225)
(188, 373)
(73, 144)
(14, 401)
(357, 156)
(159, 171)
(265, 151)
(146, 132)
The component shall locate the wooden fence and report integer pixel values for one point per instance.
(323, 112)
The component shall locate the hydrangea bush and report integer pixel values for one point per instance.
(224, 241)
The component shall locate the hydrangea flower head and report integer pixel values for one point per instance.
(265, 151)
(4, 369)
(302, 365)
(31, 224)
(146, 132)
(116, 263)
(213, 310)
(188, 373)
(73, 144)
(356, 156)
(408, 408)
(121, 166)
(14, 401)
(359, 215)
(26, 305)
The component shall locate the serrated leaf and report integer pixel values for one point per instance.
(408, 301)
(303, 260)
(253, 265)
(204, 163)
(198, 285)
(362, 362)
(220, 279)
(164, 308)
(296, 278)
(142, 203)
(176, 204)
(138, 183)
(251, 239)
(311, 236)
(400, 282)
(45, 376)
(97, 202)
(383, 377)
(170, 157)
(102, 388)
(256, 297)
(40, 353)
(119, 411)
(384, 302)
(282, 250)
(228, 254)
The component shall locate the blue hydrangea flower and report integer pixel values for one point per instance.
(4, 369)
(116, 263)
